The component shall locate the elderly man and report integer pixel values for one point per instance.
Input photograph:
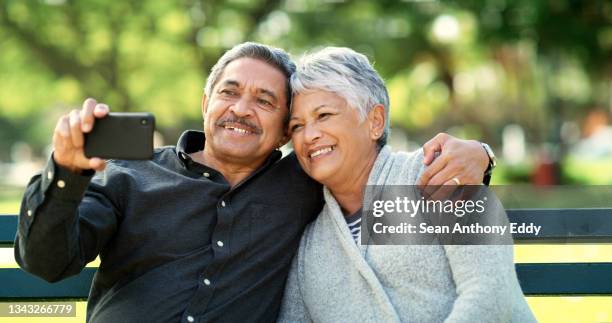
(206, 230)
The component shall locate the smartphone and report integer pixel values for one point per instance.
(121, 136)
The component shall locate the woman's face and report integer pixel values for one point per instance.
(331, 141)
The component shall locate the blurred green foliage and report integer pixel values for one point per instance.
(478, 65)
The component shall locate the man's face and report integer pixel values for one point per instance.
(243, 117)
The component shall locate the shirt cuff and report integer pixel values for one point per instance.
(61, 183)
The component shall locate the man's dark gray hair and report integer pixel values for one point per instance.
(276, 57)
(348, 74)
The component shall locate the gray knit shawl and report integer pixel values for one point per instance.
(332, 279)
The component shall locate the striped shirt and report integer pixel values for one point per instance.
(354, 223)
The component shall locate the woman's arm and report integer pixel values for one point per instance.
(483, 275)
(293, 308)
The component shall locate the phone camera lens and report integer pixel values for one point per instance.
(144, 122)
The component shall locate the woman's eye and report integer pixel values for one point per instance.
(296, 127)
(324, 115)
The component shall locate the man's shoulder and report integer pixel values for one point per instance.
(164, 152)
(131, 173)
(286, 165)
(298, 188)
(163, 156)
(290, 161)
(289, 168)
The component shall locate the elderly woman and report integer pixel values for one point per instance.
(339, 124)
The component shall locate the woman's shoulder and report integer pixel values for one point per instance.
(408, 158)
(314, 228)
(400, 167)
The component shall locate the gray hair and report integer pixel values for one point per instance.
(276, 57)
(346, 73)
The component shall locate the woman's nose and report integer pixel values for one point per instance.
(311, 133)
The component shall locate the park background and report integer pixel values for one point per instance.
(531, 78)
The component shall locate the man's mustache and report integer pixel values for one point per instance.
(242, 121)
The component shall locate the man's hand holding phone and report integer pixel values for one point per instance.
(69, 137)
(83, 139)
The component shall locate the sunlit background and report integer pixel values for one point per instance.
(531, 78)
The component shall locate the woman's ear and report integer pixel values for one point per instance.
(376, 118)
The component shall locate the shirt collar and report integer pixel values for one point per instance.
(189, 142)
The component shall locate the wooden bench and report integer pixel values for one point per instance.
(537, 279)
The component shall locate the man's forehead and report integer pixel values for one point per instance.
(250, 70)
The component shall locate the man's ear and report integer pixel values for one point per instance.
(376, 118)
(204, 104)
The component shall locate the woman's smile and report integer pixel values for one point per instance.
(320, 152)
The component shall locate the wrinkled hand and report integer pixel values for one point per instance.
(68, 138)
(465, 160)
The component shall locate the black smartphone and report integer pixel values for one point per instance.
(121, 136)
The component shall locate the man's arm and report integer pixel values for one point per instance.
(62, 227)
(463, 160)
(60, 231)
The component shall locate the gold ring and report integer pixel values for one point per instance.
(456, 180)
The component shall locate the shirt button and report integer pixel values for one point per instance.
(223, 203)
(61, 184)
(206, 282)
(206, 175)
(190, 318)
(50, 175)
(29, 212)
(220, 243)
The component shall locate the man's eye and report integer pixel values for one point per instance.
(228, 92)
(264, 102)
(296, 127)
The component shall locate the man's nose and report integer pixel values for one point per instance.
(242, 107)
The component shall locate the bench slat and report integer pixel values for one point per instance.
(565, 279)
(580, 279)
(16, 283)
(564, 225)
(8, 228)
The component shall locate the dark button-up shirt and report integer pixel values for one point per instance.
(176, 241)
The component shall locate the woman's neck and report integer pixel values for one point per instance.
(349, 192)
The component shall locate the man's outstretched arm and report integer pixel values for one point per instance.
(64, 220)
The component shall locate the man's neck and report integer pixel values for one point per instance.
(233, 171)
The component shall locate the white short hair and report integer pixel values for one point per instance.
(346, 73)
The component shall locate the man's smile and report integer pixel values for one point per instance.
(239, 126)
